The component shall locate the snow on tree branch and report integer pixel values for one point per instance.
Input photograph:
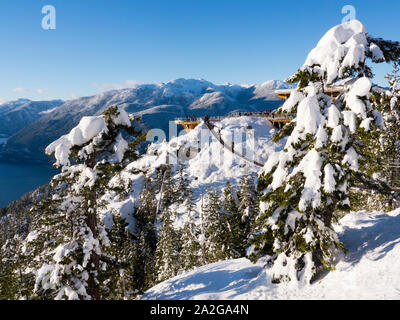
(87, 134)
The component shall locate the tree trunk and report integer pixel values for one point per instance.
(91, 221)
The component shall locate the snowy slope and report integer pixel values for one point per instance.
(156, 103)
(213, 166)
(369, 271)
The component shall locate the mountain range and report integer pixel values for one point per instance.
(39, 123)
(15, 115)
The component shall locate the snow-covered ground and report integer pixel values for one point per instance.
(370, 270)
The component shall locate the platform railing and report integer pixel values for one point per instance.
(266, 114)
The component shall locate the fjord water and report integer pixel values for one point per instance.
(17, 179)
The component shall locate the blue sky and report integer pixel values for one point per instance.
(103, 44)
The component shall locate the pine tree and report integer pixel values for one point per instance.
(190, 255)
(182, 187)
(120, 279)
(67, 242)
(8, 277)
(191, 249)
(146, 217)
(214, 218)
(389, 104)
(233, 235)
(307, 184)
(167, 262)
(17, 255)
(248, 204)
(394, 78)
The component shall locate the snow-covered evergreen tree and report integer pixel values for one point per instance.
(120, 278)
(233, 235)
(307, 184)
(182, 187)
(146, 217)
(248, 203)
(167, 259)
(388, 102)
(67, 242)
(190, 254)
(214, 224)
(9, 279)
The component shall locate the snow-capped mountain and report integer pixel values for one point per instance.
(17, 114)
(267, 89)
(156, 103)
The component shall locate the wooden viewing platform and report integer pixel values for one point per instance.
(277, 120)
(188, 125)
